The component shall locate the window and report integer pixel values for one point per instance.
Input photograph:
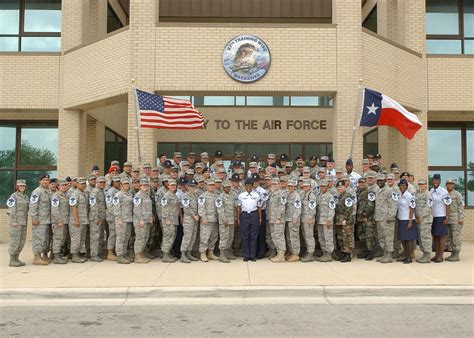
(451, 154)
(450, 26)
(370, 21)
(371, 142)
(262, 101)
(115, 148)
(117, 14)
(27, 150)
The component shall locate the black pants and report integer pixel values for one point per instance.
(249, 233)
(262, 230)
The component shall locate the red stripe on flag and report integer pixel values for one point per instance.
(392, 117)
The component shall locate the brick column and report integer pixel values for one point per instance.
(72, 127)
(347, 16)
(142, 48)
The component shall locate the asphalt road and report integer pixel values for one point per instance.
(240, 320)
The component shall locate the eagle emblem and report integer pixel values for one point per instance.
(55, 202)
(312, 204)
(92, 200)
(185, 202)
(283, 200)
(371, 196)
(115, 200)
(348, 202)
(448, 200)
(297, 204)
(164, 201)
(137, 200)
(218, 202)
(201, 200)
(34, 199)
(11, 202)
(72, 201)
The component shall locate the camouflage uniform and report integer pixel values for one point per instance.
(78, 232)
(170, 209)
(276, 211)
(97, 214)
(308, 214)
(365, 210)
(456, 214)
(109, 216)
(208, 212)
(59, 219)
(40, 211)
(226, 216)
(190, 209)
(385, 213)
(292, 218)
(142, 212)
(344, 212)
(18, 204)
(237, 239)
(326, 212)
(123, 213)
(424, 219)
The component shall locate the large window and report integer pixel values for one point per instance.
(263, 101)
(27, 150)
(115, 148)
(370, 21)
(451, 154)
(450, 26)
(371, 142)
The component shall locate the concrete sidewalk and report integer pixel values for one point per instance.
(237, 273)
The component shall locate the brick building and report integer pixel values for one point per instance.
(66, 99)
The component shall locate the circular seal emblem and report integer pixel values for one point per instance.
(246, 58)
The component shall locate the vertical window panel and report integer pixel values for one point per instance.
(9, 16)
(444, 147)
(39, 146)
(43, 16)
(7, 146)
(6, 186)
(442, 17)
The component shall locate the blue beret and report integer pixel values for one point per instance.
(248, 181)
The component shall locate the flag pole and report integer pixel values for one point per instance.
(359, 105)
(137, 123)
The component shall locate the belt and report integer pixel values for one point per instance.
(248, 212)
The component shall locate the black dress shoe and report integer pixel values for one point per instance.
(407, 260)
(346, 258)
(253, 259)
(362, 254)
(246, 259)
(369, 256)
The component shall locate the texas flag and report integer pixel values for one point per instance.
(380, 110)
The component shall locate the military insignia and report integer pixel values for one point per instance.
(201, 200)
(11, 202)
(297, 204)
(371, 196)
(72, 201)
(115, 200)
(430, 202)
(164, 201)
(336, 199)
(332, 204)
(108, 198)
(447, 200)
(412, 203)
(218, 203)
(185, 202)
(229, 171)
(348, 202)
(462, 201)
(312, 204)
(265, 196)
(283, 200)
(213, 171)
(34, 199)
(137, 200)
(354, 199)
(92, 200)
(55, 202)
(317, 190)
(395, 196)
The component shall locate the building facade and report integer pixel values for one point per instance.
(66, 99)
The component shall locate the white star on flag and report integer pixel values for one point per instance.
(372, 109)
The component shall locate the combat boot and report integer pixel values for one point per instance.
(279, 258)
(362, 254)
(59, 260)
(387, 258)
(271, 253)
(44, 256)
(396, 254)
(167, 258)
(211, 256)
(190, 256)
(149, 255)
(204, 257)
(346, 258)
(140, 259)
(76, 258)
(229, 254)
(38, 261)
(326, 257)
(184, 258)
(378, 252)
(111, 256)
(96, 259)
(293, 258)
(382, 257)
(122, 260)
(18, 260)
(454, 257)
(308, 257)
(13, 262)
(223, 258)
(369, 255)
(425, 258)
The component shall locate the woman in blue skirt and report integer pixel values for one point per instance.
(405, 220)
(440, 210)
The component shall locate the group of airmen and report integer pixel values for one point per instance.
(190, 209)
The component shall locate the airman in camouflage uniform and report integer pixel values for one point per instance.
(325, 220)
(18, 204)
(424, 219)
(142, 219)
(236, 190)
(170, 210)
(109, 216)
(40, 212)
(97, 215)
(308, 214)
(344, 222)
(78, 219)
(455, 220)
(276, 206)
(292, 218)
(189, 204)
(365, 219)
(226, 205)
(209, 222)
(393, 211)
(123, 214)
(59, 219)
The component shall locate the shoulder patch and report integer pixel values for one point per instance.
(462, 201)
(72, 201)
(115, 200)
(332, 204)
(185, 202)
(317, 190)
(448, 200)
(137, 200)
(34, 198)
(11, 202)
(335, 198)
(92, 200)
(348, 202)
(164, 201)
(395, 196)
(55, 202)
(430, 202)
(312, 204)
(412, 203)
(108, 198)
(297, 203)
(371, 196)
(218, 202)
(354, 199)
(283, 199)
(265, 196)
(201, 200)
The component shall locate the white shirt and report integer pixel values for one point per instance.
(261, 192)
(403, 206)
(354, 178)
(248, 202)
(438, 208)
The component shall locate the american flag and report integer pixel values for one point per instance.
(167, 113)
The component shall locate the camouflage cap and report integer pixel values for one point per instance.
(267, 177)
(219, 162)
(380, 177)
(275, 180)
(217, 180)
(198, 165)
(165, 178)
(177, 153)
(147, 165)
(253, 165)
(60, 182)
(221, 170)
(323, 183)
(324, 158)
(127, 164)
(306, 170)
(204, 155)
(321, 170)
(155, 169)
(92, 177)
(261, 169)
(136, 170)
(125, 180)
(289, 164)
(272, 156)
(81, 180)
(292, 182)
(371, 174)
(362, 180)
(144, 181)
(226, 184)
(22, 182)
(171, 182)
(116, 178)
(450, 181)
(239, 171)
(339, 171)
(390, 176)
(190, 172)
(185, 163)
(101, 179)
(365, 161)
(422, 181)
(199, 179)
(284, 178)
(306, 183)
(210, 182)
(175, 168)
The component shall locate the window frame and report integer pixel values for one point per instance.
(21, 31)
(460, 36)
(116, 150)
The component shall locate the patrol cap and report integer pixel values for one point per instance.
(239, 171)
(423, 181)
(44, 176)
(261, 169)
(165, 178)
(192, 154)
(155, 169)
(284, 157)
(321, 170)
(390, 177)
(345, 178)
(127, 164)
(174, 168)
(226, 184)
(192, 182)
(171, 182)
(331, 178)
(221, 170)
(292, 182)
(253, 165)
(60, 182)
(280, 171)
(362, 180)
(101, 179)
(331, 160)
(217, 180)
(340, 183)
(267, 177)
(91, 177)
(147, 165)
(114, 162)
(235, 177)
(204, 155)
(380, 177)
(284, 178)
(186, 163)
(436, 177)
(81, 180)
(23, 182)
(199, 179)
(289, 164)
(339, 170)
(324, 158)
(306, 170)
(365, 161)
(177, 154)
(144, 181)
(210, 182)
(275, 180)
(218, 153)
(306, 183)
(300, 179)
(371, 174)
(219, 162)
(190, 172)
(136, 170)
(125, 180)
(450, 181)
(248, 181)
(323, 183)
(271, 156)
(198, 165)
(238, 153)
(167, 164)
